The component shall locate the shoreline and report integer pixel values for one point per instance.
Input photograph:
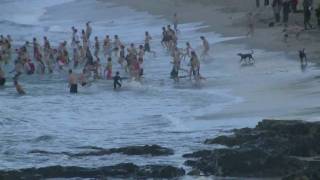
(229, 18)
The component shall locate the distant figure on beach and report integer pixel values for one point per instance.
(73, 82)
(318, 15)
(206, 47)
(294, 5)
(175, 22)
(18, 87)
(307, 8)
(286, 11)
(117, 81)
(266, 3)
(277, 6)
(2, 77)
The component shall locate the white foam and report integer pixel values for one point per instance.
(26, 11)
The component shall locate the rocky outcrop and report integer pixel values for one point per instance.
(119, 171)
(271, 149)
(152, 150)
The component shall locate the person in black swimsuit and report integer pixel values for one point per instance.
(117, 81)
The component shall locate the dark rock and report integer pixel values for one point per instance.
(127, 170)
(310, 173)
(198, 154)
(157, 171)
(194, 172)
(244, 163)
(153, 150)
(271, 149)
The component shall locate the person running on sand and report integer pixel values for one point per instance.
(147, 47)
(2, 77)
(73, 82)
(206, 47)
(117, 81)
(18, 87)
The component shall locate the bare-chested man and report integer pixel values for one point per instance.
(206, 47)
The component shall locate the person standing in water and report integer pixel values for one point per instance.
(96, 47)
(88, 30)
(108, 70)
(195, 66)
(117, 81)
(18, 87)
(73, 82)
(107, 47)
(147, 47)
(206, 47)
(2, 77)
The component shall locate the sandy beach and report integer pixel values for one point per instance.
(229, 18)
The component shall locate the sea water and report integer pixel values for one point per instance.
(156, 111)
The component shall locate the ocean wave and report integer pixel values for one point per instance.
(14, 24)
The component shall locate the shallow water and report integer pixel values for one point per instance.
(155, 112)
(158, 111)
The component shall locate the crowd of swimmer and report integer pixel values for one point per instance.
(34, 58)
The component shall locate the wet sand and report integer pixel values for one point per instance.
(229, 18)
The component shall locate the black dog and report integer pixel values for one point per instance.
(303, 56)
(247, 58)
